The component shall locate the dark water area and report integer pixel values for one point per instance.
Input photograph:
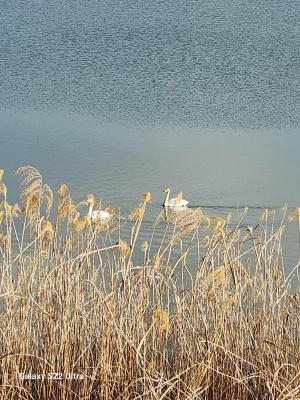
(118, 98)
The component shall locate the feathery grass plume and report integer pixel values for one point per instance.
(34, 193)
(144, 246)
(32, 208)
(178, 197)
(157, 261)
(146, 197)
(31, 182)
(63, 191)
(295, 215)
(66, 209)
(16, 210)
(3, 189)
(198, 213)
(102, 225)
(1, 174)
(7, 208)
(124, 248)
(161, 320)
(47, 230)
(80, 223)
(217, 278)
(136, 213)
(218, 224)
(111, 210)
(184, 217)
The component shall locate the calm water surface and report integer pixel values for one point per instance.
(121, 97)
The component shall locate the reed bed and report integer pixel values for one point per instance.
(85, 313)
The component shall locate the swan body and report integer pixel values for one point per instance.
(98, 214)
(176, 202)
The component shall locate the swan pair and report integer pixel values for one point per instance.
(177, 202)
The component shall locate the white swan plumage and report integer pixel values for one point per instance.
(176, 202)
(97, 215)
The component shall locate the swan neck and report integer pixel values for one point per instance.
(167, 198)
(90, 210)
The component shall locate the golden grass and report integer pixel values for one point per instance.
(208, 313)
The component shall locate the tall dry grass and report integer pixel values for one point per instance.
(208, 313)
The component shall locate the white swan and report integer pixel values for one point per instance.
(176, 202)
(98, 215)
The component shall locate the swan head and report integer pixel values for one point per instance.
(167, 190)
(90, 199)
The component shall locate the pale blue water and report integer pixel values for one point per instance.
(121, 97)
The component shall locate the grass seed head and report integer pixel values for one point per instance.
(63, 191)
(144, 246)
(16, 210)
(48, 230)
(178, 197)
(124, 248)
(147, 197)
(3, 189)
(136, 213)
(80, 223)
(295, 215)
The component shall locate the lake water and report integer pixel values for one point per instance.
(121, 97)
